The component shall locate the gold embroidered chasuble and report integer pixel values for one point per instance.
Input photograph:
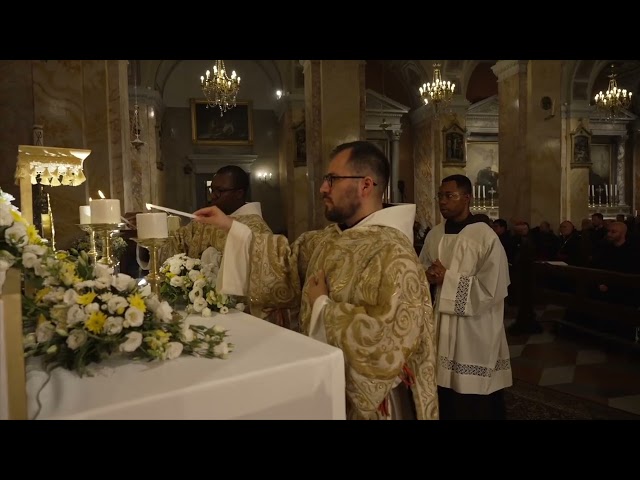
(378, 311)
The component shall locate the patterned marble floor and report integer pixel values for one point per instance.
(576, 363)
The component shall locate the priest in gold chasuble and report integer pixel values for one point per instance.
(358, 283)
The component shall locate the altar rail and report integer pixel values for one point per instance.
(572, 287)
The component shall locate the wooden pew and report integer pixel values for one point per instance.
(573, 287)
(13, 392)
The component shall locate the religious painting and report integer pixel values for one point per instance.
(600, 168)
(581, 143)
(482, 167)
(454, 147)
(210, 126)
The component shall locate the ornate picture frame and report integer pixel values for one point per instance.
(453, 145)
(233, 127)
(580, 147)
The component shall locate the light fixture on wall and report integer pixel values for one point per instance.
(264, 176)
(614, 99)
(219, 89)
(438, 92)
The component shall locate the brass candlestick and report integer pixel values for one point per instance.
(153, 245)
(106, 231)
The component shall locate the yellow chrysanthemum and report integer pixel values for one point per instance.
(86, 299)
(41, 293)
(61, 255)
(95, 323)
(170, 275)
(32, 235)
(137, 302)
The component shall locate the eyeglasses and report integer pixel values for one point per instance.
(216, 192)
(448, 196)
(330, 178)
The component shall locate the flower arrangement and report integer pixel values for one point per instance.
(84, 314)
(192, 281)
(20, 244)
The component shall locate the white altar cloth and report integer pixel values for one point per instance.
(273, 373)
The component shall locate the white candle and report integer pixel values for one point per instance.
(593, 191)
(606, 191)
(483, 192)
(105, 211)
(173, 223)
(615, 192)
(170, 210)
(152, 225)
(85, 214)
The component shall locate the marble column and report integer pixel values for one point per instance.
(396, 196)
(333, 115)
(425, 171)
(577, 186)
(620, 170)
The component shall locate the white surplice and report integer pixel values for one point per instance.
(473, 354)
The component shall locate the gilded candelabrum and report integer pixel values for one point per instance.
(153, 245)
(105, 231)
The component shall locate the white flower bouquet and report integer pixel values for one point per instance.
(84, 314)
(191, 281)
(20, 244)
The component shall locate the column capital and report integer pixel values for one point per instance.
(395, 135)
(506, 68)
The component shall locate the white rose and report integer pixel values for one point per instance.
(240, 307)
(29, 260)
(221, 350)
(194, 275)
(164, 312)
(187, 334)
(133, 317)
(206, 312)
(199, 284)
(105, 297)
(16, 234)
(76, 339)
(5, 215)
(85, 284)
(152, 302)
(103, 282)
(195, 294)
(219, 329)
(175, 268)
(44, 332)
(173, 350)
(224, 309)
(100, 270)
(56, 296)
(116, 303)
(123, 282)
(199, 304)
(91, 308)
(133, 341)
(113, 325)
(177, 281)
(76, 314)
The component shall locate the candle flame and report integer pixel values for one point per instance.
(101, 194)
(148, 206)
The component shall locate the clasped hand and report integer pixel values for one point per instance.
(214, 216)
(436, 272)
(317, 286)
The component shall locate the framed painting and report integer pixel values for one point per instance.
(454, 145)
(233, 127)
(581, 147)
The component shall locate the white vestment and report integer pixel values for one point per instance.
(473, 354)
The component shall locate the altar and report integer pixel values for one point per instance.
(273, 373)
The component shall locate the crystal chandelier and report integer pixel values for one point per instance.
(438, 92)
(219, 89)
(614, 99)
